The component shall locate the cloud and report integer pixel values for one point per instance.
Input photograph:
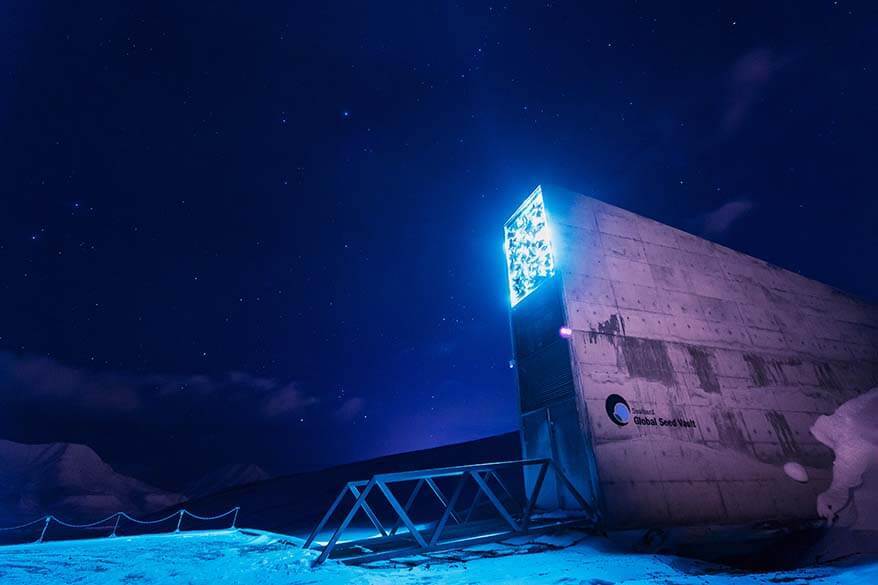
(165, 429)
(286, 400)
(718, 221)
(43, 379)
(350, 409)
(747, 82)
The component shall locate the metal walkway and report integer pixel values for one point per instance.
(512, 516)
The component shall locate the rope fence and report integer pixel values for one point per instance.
(115, 521)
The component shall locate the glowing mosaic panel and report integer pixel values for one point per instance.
(529, 258)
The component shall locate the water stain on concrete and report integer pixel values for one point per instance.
(826, 378)
(783, 432)
(765, 372)
(758, 373)
(728, 427)
(703, 368)
(648, 359)
(615, 325)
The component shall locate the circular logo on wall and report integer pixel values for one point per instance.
(618, 410)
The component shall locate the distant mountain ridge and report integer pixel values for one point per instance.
(70, 481)
(227, 476)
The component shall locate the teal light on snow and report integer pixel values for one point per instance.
(529, 258)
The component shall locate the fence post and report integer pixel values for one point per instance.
(45, 527)
(179, 521)
(235, 517)
(116, 525)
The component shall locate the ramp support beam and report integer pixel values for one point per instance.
(519, 521)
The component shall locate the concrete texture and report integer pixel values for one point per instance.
(725, 362)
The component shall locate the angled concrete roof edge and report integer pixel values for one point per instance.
(553, 189)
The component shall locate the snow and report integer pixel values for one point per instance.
(246, 556)
(852, 434)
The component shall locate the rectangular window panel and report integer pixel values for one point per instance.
(529, 258)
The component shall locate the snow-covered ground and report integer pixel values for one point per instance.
(264, 558)
(851, 433)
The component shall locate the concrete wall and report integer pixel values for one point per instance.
(724, 360)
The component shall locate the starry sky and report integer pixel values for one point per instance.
(272, 232)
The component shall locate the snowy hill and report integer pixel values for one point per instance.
(226, 477)
(208, 558)
(70, 481)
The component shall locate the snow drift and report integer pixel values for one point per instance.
(852, 434)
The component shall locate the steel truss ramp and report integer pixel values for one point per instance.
(404, 537)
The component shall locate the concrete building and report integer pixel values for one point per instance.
(673, 379)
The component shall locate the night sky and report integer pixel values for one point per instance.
(272, 233)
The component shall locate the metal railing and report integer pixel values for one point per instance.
(116, 519)
(390, 543)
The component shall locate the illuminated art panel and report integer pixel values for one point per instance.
(529, 258)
